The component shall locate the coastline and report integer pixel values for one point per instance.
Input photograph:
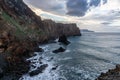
(111, 74)
(15, 52)
(21, 33)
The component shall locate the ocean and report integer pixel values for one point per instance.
(84, 59)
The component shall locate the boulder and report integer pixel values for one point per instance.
(38, 70)
(59, 50)
(55, 67)
(63, 39)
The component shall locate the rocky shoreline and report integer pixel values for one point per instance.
(13, 54)
(21, 32)
(111, 74)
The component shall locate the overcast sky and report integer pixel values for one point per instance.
(97, 15)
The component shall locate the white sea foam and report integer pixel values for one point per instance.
(67, 51)
(47, 74)
(45, 47)
(84, 59)
(64, 59)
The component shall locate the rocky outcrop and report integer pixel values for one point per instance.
(63, 39)
(70, 29)
(59, 50)
(55, 67)
(112, 74)
(38, 70)
(55, 30)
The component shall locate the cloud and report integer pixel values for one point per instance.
(105, 23)
(94, 2)
(80, 7)
(53, 6)
(77, 7)
(63, 7)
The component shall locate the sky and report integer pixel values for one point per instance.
(96, 15)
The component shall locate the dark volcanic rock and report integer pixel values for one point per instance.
(112, 74)
(1, 73)
(17, 66)
(63, 39)
(38, 70)
(55, 67)
(59, 50)
(37, 49)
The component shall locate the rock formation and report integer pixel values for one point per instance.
(59, 50)
(20, 32)
(63, 39)
(112, 74)
(38, 70)
(28, 22)
(54, 30)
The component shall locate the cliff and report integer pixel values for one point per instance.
(20, 32)
(54, 30)
(28, 22)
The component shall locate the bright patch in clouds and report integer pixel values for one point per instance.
(47, 15)
(106, 16)
(97, 15)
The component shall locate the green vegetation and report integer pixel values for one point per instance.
(21, 31)
(10, 20)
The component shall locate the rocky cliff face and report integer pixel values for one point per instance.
(20, 12)
(54, 30)
(68, 29)
(28, 22)
(20, 31)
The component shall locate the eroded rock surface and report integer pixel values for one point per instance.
(63, 39)
(59, 50)
(38, 70)
(112, 74)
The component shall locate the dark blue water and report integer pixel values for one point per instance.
(85, 58)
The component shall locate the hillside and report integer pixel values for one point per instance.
(20, 32)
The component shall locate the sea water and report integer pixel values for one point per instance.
(84, 59)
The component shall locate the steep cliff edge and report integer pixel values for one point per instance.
(54, 30)
(28, 22)
(20, 31)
